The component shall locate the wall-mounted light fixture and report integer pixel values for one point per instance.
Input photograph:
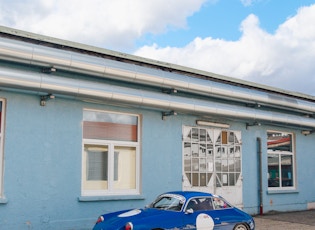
(49, 70)
(43, 99)
(252, 124)
(307, 132)
(169, 91)
(166, 114)
(213, 124)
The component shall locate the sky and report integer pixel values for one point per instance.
(270, 42)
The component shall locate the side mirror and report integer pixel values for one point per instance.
(189, 211)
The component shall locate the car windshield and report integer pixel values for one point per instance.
(168, 202)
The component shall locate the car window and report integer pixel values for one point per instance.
(220, 203)
(171, 202)
(207, 203)
(201, 203)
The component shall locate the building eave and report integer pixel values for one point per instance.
(128, 58)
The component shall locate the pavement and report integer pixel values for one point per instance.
(301, 220)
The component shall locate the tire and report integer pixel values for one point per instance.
(240, 227)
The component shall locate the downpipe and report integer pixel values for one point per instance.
(259, 153)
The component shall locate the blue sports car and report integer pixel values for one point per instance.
(179, 210)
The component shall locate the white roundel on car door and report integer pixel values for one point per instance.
(204, 222)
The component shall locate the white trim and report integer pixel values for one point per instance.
(286, 153)
(2, 147)
(111, 144)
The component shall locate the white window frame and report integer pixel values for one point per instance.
(2, 147)
(283, 153)
(110, 191)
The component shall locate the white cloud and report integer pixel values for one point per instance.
(104, 23)
(249, 2)
(246, 2)
(284, 59)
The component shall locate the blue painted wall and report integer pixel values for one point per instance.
(43, 148)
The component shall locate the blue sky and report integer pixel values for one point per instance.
(221, 19)
(271, 42)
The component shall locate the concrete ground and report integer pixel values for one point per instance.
(302, 220)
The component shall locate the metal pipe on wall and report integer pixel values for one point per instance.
(23, 52)
(260, 173)
(82, 89)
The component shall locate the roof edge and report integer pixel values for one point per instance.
(155, 63)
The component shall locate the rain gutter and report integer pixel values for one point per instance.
(40, 83)
(30, 53)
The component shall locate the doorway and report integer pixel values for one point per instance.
(212, 162)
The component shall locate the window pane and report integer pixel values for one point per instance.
(218, 180)
(187, 163)
(286, 171)
(210, 149)
(202, 149)
(187, 149)
(195, 165)
(189, 177)
(195, 179)
(203, 179)
(224, 137)
(278, 141)
(125, 167)
(109, 126)
(273, 171)
(95, 167)
(224, 166)
(237, 164)
(231, 179)
(202, 135)
(195, 149)
(194, 134)
(218, 165)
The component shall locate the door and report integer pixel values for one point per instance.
(212, 162)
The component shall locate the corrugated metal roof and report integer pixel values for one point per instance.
(92, 50)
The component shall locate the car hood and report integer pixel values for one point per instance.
(118, 220)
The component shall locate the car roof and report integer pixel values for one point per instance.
(190, 194)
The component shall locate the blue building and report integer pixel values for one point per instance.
(86, 131)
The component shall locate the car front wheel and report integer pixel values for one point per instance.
(240, 227)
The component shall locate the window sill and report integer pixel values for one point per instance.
(282, 191)
(3, 200)
(112, 197)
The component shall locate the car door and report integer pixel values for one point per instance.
(221, 219)
(198, 214)
(200, 220)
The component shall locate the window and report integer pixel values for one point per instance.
(2, 112)
(212, 156)
(207, 203)
(110, 160)
(280, 160)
